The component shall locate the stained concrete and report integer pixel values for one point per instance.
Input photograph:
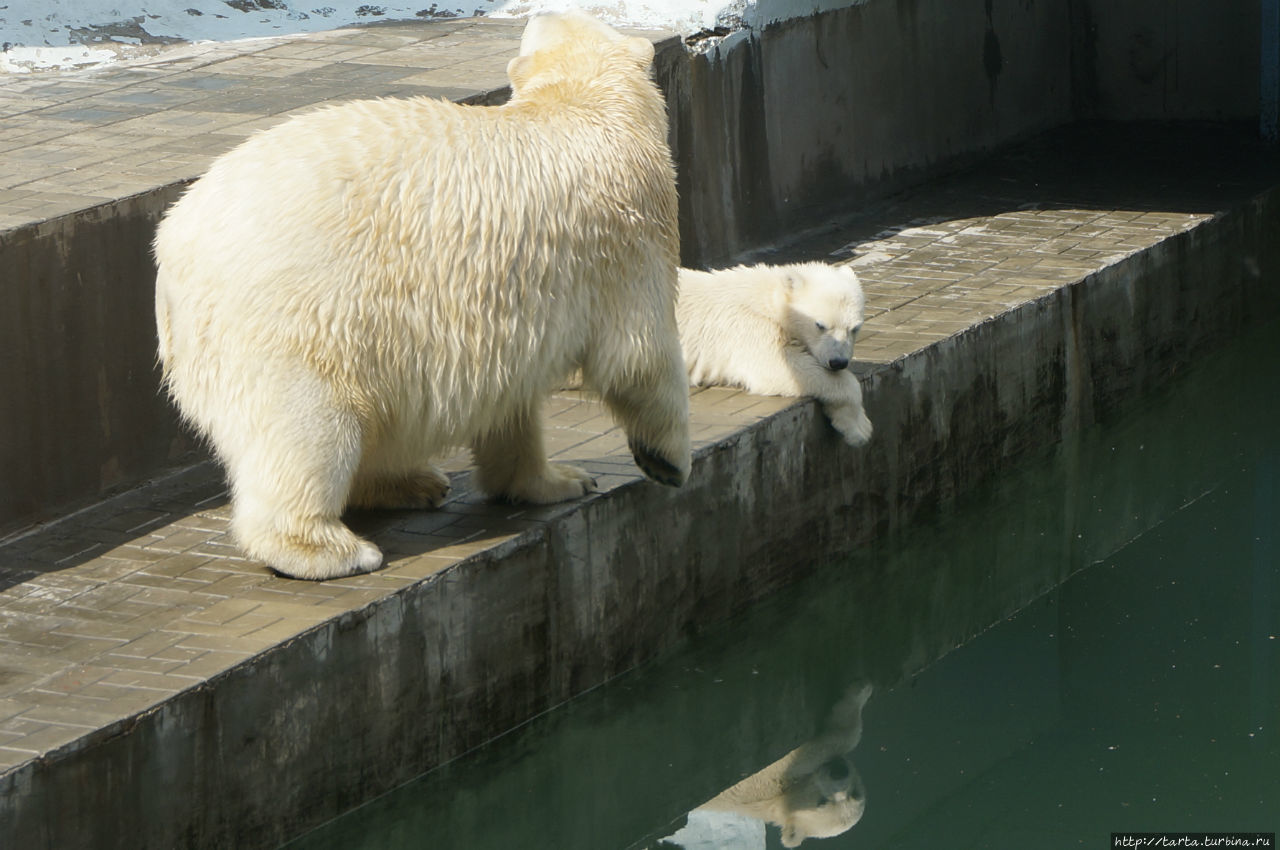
(1168, 59)
(895, 92)
(81, 407)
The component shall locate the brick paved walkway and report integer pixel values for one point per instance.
(124, 605)
(70, 141)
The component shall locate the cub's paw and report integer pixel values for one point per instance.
(656, 466)
(558, 482)
(852, 423)
(849, 708)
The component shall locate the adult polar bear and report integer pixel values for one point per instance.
(366, 286)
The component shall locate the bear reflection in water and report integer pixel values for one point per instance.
(814, 791)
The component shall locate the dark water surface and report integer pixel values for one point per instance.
(1089, 645)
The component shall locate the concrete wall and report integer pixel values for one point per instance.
(1166, 59)
(79, 388)
(775, 129)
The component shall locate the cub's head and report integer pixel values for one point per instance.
(821, 311)
(825, 804)
(573, 46)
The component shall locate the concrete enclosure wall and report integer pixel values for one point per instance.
(1166, 59)
(777, 128)
(79, 387)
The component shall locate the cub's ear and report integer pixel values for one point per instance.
(641, 50)
(519, 70)
(780, 295)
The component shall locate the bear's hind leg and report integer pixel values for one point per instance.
(289, 487)
(511, 464)
(420, 488)
(652, 406)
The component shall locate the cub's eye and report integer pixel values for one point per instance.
(820, 326)
(853, 331)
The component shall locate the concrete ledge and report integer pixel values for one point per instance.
(248, 707)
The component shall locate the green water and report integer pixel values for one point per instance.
(1089, 645)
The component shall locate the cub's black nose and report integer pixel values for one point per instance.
(835, 364)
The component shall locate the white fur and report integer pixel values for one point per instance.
(814, 791)
(777, 330)
(363, 287)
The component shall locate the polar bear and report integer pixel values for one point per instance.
(814, 791)
(366, 286)
(777, 330)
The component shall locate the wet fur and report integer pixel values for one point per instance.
(363, 287)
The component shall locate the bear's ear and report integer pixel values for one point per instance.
(641, 50)
(519, 70)
(790, 281)
(791, 836)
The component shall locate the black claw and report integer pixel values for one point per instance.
(655, 466)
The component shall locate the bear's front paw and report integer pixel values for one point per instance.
(852, 423)
(559, 482)
(656, 466)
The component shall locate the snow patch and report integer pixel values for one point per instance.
(60, 34)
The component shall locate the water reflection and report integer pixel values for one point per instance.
(814, 791)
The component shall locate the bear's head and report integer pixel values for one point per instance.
(826, 803)
(564, 46)
(822, 310)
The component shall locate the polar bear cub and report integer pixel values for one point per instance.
(366, 286)
(777, 330)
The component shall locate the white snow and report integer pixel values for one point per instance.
(57, 34)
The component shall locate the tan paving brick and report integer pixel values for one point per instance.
(37, 738)
(416, 567)
(60, 712)
(245, 645)
(145, 645)
(60, 135)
